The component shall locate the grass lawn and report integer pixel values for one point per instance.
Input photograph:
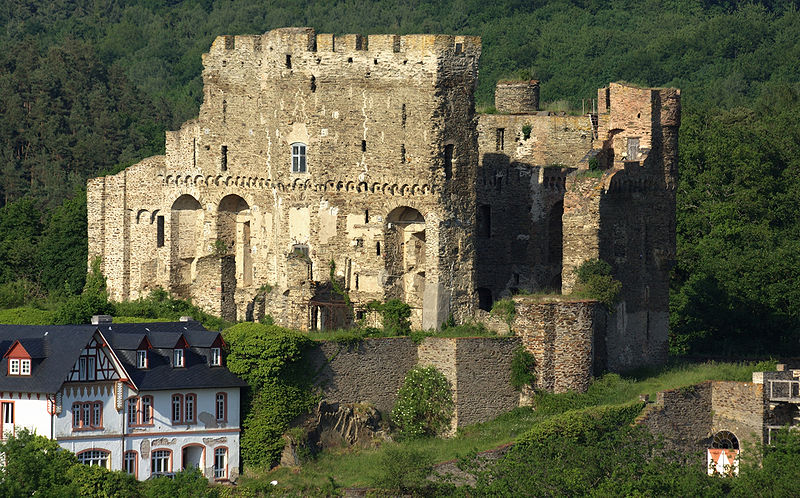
(347, 467)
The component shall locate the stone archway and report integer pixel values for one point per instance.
(186, 228)
(405, 250)
(233, 245)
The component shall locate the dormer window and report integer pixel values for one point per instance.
(141, 358)
(178, 358)
(216, 357)
(19, 360)
(13, 367)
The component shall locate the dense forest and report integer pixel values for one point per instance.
(90, 86)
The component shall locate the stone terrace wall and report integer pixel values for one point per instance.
(478, 369)
(682, 416)
(739, 407)
(370, 372)
(561, 336)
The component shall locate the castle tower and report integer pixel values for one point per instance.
(359, 151)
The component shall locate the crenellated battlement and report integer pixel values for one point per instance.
(300, 43)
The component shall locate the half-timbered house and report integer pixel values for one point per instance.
(150, 398)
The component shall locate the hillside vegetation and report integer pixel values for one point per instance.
(90, 87)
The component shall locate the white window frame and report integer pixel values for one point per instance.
(190, 401)
(177, 408)
(141, 358)
(220, 463)
(299, 162)
(129, 462)
(178, 358)
(100, 458)
(160, 462)
(216, 357)
(25, 367)
(13, 367)
(221, 406)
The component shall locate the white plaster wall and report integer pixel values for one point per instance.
(112, 419)
(29, 413)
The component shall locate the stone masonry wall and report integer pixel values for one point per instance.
(682, 416)
(561, 336)
(478, 369)
(739, 407)
(387, 128)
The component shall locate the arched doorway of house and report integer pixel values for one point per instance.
(186, 227)
(723, 455)
(233, 244)
(192, 457)
(405, 248)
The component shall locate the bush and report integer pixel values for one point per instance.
(92, 301)
(595, 282)
(27, 316)
(395, 314)
(424, 406)
(403, 469)
(523, 369)
(505, 309)
(97, 481)
(159, 305)
(270, 359)
(188, 483)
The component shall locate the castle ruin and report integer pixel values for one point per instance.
(362, 158)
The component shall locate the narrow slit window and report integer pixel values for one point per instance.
(403, 115)
(448, 161)
(224, 111)
(288, 61)
(313, 84)
(160, 231)
(402, 153)
(377, 248)
(366, 216)
(363, 146)
(223, 162)
(500, 139)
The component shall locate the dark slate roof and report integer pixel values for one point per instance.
(160, 375)
(58, 346)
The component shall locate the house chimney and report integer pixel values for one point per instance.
(98, 319)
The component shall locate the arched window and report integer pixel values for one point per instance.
(725, 440)
(101, 458)
(298, 157)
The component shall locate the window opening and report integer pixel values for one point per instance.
(25, 367)
(288, 61)
(160, 462)
(366, 216)
(230, 42)
(129, 464)
(378, 248)
(220, 462)
(223, 161)
(459, 48)
(403, 114)
(216, 357)
(189, 408)
(141, 358)
(178, 358)
(484, 221)
(224, 110)
(13, 367)
(221, 407)
(298, 158)
(500, 139)
(402, 153)
(160, 231)
(94, 457)
(448, 161)
(177, 403)
(8, 413)
(300, 250)
(363, 146)
(349, 59)
(147, 409)
(313, 84)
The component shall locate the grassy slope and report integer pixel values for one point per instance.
(357, 468)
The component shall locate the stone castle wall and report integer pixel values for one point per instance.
(478, 369)
(387, 127)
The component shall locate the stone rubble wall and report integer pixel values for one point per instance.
(561, 336)
(372, 371)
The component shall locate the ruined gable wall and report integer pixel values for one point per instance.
(739, 407)
(683, 417)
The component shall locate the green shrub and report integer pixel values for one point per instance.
(97, 481)
(19, 293)
(27, 316)
(188, 483)
(270, 359)
(523, 369)
(505, 309)
(526, 131)
(424, 404)
(160, 305)
(595, 282)
(395, 314)
(92, 301)
(401, 468)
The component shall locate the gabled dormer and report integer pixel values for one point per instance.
(215, 352)
(143, 354)
(97, 362)
(179, 352)
(19, 360)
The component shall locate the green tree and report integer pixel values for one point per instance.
(35, 465)
(424, 405)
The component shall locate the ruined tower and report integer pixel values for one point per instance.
(308, 150)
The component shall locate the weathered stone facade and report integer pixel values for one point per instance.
(372, 371)
(367, 152)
